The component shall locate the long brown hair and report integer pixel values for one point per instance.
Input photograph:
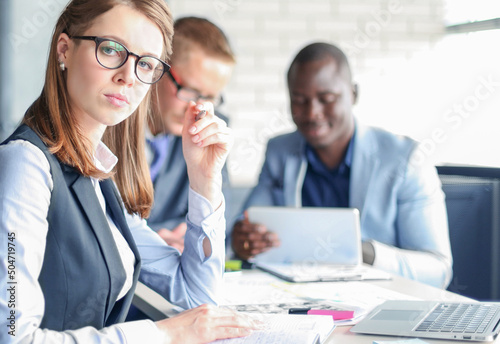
(51, 116)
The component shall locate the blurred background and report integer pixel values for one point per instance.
(429, 69)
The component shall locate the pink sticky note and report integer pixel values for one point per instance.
(337, 315)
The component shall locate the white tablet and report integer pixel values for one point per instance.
(311, 235)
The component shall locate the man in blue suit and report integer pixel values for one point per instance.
(332, 160)
(201, 66)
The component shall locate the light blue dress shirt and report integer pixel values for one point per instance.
(324, 187)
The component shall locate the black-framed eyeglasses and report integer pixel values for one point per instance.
(187, 94)
(112, 55)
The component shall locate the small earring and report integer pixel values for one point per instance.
(62, 66)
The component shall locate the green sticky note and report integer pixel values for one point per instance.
(233, 265)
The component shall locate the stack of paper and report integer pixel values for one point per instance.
(287, 329)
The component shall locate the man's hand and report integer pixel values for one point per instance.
(250, 239)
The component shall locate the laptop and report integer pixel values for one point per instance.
(317, 244)
(474, 321)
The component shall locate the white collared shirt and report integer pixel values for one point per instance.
(105, 160)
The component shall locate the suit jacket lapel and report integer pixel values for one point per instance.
(294, 173)
(364, 166)
(115, 208)
(173, 142)
(173, 169)
(88, 199)
(113, 202)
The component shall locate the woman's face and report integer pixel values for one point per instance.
(103, 97)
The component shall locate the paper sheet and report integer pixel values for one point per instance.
(287, 329)
(263, 288)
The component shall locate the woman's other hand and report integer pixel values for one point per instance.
(205, 324)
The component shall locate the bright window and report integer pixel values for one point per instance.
(447, 97)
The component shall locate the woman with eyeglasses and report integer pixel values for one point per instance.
(75, 189)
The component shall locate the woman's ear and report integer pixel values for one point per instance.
(355, 93)
(63, 47)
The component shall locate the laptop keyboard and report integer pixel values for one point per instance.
(459, 318)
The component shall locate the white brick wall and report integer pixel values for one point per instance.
(266, 34)
(410, 75)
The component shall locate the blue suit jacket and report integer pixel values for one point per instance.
(398, 194)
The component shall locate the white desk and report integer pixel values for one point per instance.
(402, 285)
(157, 307)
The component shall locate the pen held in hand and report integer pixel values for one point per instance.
(200, 115)
(336, 314)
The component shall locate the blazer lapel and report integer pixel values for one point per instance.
(295, 169)
(294, 173)
(88, 199)
(113, 202)
(174, 168)
(364, 167)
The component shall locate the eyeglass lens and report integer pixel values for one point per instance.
(188, 94)
(112, 54)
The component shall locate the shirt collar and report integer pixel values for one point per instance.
(318, 165)
(104, 159)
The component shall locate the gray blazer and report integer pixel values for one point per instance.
(171, 188)
(398, 194)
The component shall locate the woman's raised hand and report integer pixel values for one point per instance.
(206, 142)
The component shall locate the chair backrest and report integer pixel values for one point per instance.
(473, 205)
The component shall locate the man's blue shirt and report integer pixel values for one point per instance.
(324, 187)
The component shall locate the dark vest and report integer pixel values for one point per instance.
(82, 272)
